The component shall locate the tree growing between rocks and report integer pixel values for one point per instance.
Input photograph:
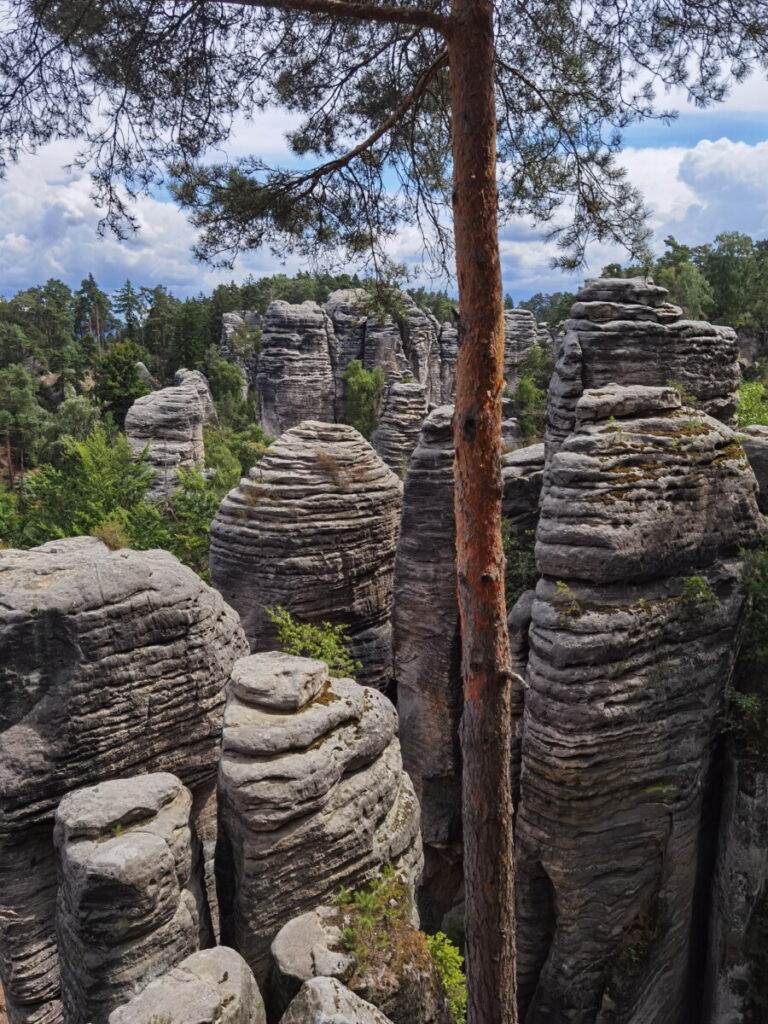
(414, 113)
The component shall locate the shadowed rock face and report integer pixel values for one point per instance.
(754, 441)
(170, 421)
(312, 795)
(106, 659)
(521, 333)
(313, 529)
(128, 907)
(295, 378)
(403, 409)
(214, 986)
(632, 641)
(624, 331)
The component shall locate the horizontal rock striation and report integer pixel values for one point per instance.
(238, 344)
(128, 907)
(295, 377)
(107, 658)
(632, 640)
(521, 333)
(403, 409)
(624, 331)
(312, 795)
(313, 529)
(214, 986)
(169, 423)
(449, 348)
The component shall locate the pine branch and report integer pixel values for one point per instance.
(364, 12)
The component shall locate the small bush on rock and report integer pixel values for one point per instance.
(450, 964)
(325, 642)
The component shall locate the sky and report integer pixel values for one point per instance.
(705, 173)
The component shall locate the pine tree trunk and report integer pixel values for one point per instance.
(486, 666)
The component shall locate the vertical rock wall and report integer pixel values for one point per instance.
(128, 906)
(107, 658)
(403, 408)
(313, 530)
(312, 795)
(632, 641)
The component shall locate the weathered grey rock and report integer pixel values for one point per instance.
(213, 986)
(449, 347)
(348, 311)
(426, 655)
(107, 658)
(401, 978)
(295, 377)
(128, 907)
(754, 441)
(327, 1001)
(627, 664)
(313, 529)
(739, 889)
(522, 473)
(623, 331)
(521, 333)
(147, 377)
(403, 408)
(237, 327)
(170, 422)
(421, 346)
(310, 798)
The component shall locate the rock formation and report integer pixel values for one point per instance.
(170, 421)
(754, 441)
(403, 409)
(214, 986)
(237, 342)
(313, 529)
(312, 795)
(426, 655)
(449, 347)
(399, 976)
(624, 331)
(644, 508)
(128, 907)
(295, 379)
(107, 659)
(327, 1001)
(521, 333)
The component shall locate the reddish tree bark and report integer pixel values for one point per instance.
(486, 720)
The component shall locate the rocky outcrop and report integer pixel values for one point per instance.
(398, 975)
(403, 408)
(522, 474)
(449, 347)
(426, 655)
(295, 376)
(128, 906)
(214, 986)
(632, 640)
(107, 658)
(240, 342)
(521, 333)
(313, 529)
(739, 897)
(327, 1001)
(169, 423)
(421, 345)
(312, 795)
(624, 331)
(754, 441)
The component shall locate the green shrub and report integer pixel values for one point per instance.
(450, 965)
(325, 642)
(520, 573)
(362, 391)
(696, 597)
(530, 397)
(753, 405)
(566, 601)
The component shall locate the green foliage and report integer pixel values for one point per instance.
(373, 918)
(550, 309)
(753, 405)
(450, 965)
(530, 397)
(22, 420)
(362, 391)
(187, 518)
(440, 304)
(325, 642)
(10, 520)
(746, 713)
(685, 395)
(117, 380)
(697, 597)
(565, 601)
(520, 573)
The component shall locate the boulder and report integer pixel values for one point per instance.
(403, 408)
(106, 659)
(214, 986)
(313, 529)
(623, 331)
(327, 1001)
(632, 639)
(312, 795)
(295, 377)
(128, 906)
(170, 422)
